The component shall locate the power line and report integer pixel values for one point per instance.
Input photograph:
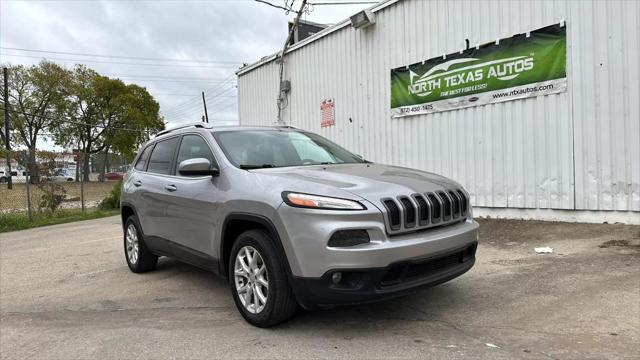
(171, 94)
(287, 9)
(196, 98)
(24, 113)
(344, 3)
(167, 80)
(195, 104)
(122, 57)
(164, 77)
(225, 108)
(196, 108)
(190, 112)
(120, 63)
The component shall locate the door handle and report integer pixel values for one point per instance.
(170, 187)
(137, 183)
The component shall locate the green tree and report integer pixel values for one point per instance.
(103, 113)
(141, 117)
(35, 93)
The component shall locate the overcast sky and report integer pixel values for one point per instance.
(221, 33)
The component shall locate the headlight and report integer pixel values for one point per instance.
(320, 202)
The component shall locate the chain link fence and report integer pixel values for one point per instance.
(51, 195)
(54, 186)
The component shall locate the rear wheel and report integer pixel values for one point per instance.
(138, 256)
(258, 280)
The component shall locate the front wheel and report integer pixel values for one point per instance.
(258, 280)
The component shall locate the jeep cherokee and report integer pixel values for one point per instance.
(290, 218)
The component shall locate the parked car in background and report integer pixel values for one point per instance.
(113, 176)
(17, 176)
(61, 176)
(290, 218)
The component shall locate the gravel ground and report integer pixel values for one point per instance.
(66, 292)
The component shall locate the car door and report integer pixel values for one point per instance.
(193, 207)
(156, 194)
(137, 193)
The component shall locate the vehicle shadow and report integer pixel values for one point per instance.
(426, 305)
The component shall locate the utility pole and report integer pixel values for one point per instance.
(7, 143)
(204, 102)
(284, 48)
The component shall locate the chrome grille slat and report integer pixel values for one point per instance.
(409, 210)
(446, 205)
(465, 202)
(393, 213)
(422, 211)
(456, 204)
(436, 205)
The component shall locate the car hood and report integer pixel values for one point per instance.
(368, 181)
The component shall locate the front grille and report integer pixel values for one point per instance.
(420, 211)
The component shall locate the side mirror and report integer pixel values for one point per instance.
(197, 167)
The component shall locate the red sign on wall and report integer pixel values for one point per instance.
(327, 108)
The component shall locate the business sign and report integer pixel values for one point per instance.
(327, 107)
(522, 66)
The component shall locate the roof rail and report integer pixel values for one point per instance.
(195, 125)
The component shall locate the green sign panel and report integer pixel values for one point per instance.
(522, 66)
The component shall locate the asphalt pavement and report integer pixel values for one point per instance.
(66, 292)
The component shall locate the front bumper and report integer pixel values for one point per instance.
(374, 284)
(305, 233)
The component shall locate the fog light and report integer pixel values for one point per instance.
(336, 277)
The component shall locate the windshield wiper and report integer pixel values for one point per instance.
(263, 166)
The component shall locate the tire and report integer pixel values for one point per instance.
(145, 260)
(280, 304)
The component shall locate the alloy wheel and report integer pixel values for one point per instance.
(251, 279)
(133, 250)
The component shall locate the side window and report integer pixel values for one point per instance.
(194, 146)
(162, 156)
(142, 160)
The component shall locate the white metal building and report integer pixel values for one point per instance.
(568, 156)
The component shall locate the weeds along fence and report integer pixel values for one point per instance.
(50, 195)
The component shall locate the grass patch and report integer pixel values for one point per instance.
(20, 221)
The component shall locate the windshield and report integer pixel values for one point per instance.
(250, 149)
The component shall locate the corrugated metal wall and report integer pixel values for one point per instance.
(575, 150)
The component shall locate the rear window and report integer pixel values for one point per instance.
(142, 160)
(161, 159)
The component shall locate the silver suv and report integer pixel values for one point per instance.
(290, 218)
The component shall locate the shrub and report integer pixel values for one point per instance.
(53, 195)
(112, 201)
